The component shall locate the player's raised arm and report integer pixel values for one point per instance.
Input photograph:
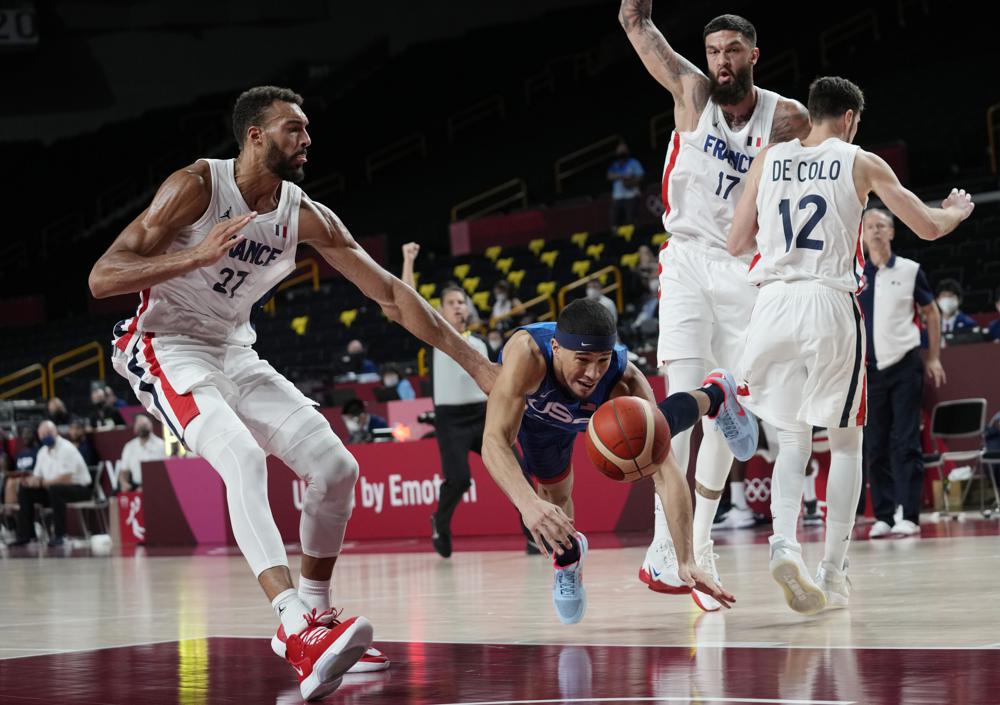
(743, 232)
(685, 81)
(135, 260)
(323, 230)
(523, 370)
(871, 173)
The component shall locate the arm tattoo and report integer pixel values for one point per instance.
(650, 43)
(791, 120)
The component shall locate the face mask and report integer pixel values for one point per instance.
(947, 304)
(48, 441)
(495, 343)
(144, 432)
(593, 294)
(390, 381)
(352, 425)
(654, 285)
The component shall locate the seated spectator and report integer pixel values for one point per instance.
(60, 476)
(77, 435)
(113, 399)
(391, 379)
(625, 175)
(57, 412)
(355, 360)
(103, 415)
(503, 302)
(949, 298)
(494, 344)
(145, 446)
(23, 464)
(995, 325)
(360, 424)
(648, 265)
(595, 293)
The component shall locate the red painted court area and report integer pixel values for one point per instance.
(234, 670)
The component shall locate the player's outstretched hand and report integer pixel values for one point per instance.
(548, 522)
(958, 198)
(411, 250)
(224, 235)
(698, 579)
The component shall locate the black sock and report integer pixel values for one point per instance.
(571, 555)
(810, 506)
(681, 412)
(716, 398)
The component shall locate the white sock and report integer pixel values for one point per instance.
(660, 530)
(736, 494)
(315, 593)
(843, 488)
(809, 493)
(704, 517)
(291, 610)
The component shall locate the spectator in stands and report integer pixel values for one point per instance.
(24, 461)
(949, 298)
(648, 266)
(6, 463)
(145, 446)
(77, 435)
(494, 344)
(503, 302)
(57, 412)
(391, 379)
(625, 175)
(113, 399)
(103, 415)
(995, 325)
(360, 424)
(410, 252)
(60, 476)
(356, 362)
(595, 292)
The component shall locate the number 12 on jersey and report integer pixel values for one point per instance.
(802, 240)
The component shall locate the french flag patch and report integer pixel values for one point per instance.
(281, 231)
(588, 407)
(754, 141)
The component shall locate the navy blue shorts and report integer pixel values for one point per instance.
(548, 451)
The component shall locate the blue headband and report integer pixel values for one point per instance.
(585, 343)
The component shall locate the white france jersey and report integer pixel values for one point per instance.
(705, 172)
(214, 303)
(809, 216)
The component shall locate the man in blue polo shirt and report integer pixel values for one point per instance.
(895, 292)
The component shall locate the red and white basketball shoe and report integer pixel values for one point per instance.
(324, 651)
(372, 660)
(659, 569)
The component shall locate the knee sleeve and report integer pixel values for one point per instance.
(312, 450)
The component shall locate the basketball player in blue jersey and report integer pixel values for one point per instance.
(218, 236)
(554, 376)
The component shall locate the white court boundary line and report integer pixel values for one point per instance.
(712, 645)
(676, 699)
(60, 652)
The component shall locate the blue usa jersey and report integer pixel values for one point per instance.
(551, 403)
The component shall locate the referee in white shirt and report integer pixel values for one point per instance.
(60, 476)
(895, 293)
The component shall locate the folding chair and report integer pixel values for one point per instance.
(956, 419)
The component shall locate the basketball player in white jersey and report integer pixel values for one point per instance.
(721, 123)
(218, 236)
(803, 365)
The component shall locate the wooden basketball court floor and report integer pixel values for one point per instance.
(479, 628)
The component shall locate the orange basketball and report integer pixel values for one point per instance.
(627, 438)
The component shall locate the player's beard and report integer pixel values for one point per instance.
(280, 165)
(734, 91)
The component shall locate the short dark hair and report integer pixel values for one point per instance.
(353, 407)
(253, 103)
(832, 96)
(586, 317)
(733, 23)
(951, 286)
(452, 286)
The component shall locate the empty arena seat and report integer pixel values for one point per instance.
(629, 260)
(504, 264)
(471, 284)
(546, 288)
(581, 267)
(515, 277)
(348, 317)
(549, 258)
(536, 246)
(658, 239)
(493, 253)
(461, 271)
(427, 290)
(625, 232)
(596, 250)
(481, 300)
(579, 239)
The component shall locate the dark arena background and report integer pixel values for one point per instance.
(484, 133)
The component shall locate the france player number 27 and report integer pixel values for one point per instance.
(802, 240)
(227, 275)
